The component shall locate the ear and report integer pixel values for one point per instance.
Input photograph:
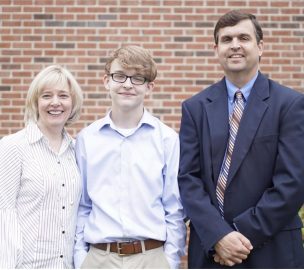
(106, 81)
(215, 47)
(261, 47)
(150, 87)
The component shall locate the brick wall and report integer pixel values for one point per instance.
(80, 34)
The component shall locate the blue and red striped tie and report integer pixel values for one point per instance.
(234, 126)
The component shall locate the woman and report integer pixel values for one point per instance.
(40, 185)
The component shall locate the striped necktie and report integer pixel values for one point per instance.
(234, 126)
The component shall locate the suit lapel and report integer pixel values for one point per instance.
(252, 116)
(217, 114)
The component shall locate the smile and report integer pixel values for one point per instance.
(126, 94)
(236, 56)
(55, 112)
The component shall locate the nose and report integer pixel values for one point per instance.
(235, 44)
(128, 83)
(55, 101)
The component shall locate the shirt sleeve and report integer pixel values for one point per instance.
(85, 206)
(176, 229)
(10, 232)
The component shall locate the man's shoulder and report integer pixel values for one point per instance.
(206, 93)
(282, 90)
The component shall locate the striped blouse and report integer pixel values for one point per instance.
(39, 196)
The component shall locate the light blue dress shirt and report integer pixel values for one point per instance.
(130, 188)
(231, 89)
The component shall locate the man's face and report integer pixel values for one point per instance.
(238, 50)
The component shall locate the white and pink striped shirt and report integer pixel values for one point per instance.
(39, 196)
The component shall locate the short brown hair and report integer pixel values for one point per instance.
(134, 57)
(234, 17)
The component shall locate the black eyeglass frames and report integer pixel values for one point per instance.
(121, 78)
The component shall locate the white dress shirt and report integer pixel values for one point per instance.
(130, 188)
(39, 196)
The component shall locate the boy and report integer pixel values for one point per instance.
(130, 213)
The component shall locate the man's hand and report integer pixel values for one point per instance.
(232, 249)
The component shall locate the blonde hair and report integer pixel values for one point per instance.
(134, 57)
(50, 76)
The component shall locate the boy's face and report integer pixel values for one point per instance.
(126, 95)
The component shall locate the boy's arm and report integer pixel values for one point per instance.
(174, 214)
(81, 247)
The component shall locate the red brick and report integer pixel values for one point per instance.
(279, 4)
(177, 32)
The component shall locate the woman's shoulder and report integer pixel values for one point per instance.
(14, 140)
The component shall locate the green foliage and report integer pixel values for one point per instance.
(302, 217)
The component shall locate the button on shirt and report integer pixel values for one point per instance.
(37, 188)
(130, 186)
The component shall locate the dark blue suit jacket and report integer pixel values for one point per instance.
(265, 187)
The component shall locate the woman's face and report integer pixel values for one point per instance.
(54, 106)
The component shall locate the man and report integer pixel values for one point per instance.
(130, 213)
(242, 160)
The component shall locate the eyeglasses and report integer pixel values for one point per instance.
(121, 78)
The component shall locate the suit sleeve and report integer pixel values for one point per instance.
(280, 204)
(204, 216)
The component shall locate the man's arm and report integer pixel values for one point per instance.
(204, 216)
(280, 204)
(215, 233)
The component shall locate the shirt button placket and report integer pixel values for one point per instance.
(62, 184)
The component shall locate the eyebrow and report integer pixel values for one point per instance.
(238, 35)
(123, 72)
(118, 71)
(60, 90)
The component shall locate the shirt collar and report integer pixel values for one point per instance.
(34, 134)
(246, 89)
(147, 119)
